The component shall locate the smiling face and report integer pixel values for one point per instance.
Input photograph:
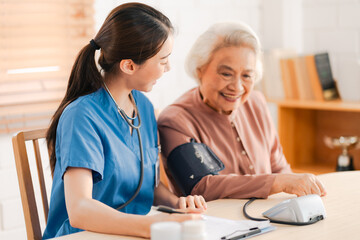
(153, 68)
(227, 80)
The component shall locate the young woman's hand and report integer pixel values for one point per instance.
(192, 204)
(299, 184)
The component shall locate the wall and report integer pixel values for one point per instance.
(334, 26)
(315, 26)
(305, 25)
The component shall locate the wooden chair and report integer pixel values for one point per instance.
(31, 215)
(32, 222)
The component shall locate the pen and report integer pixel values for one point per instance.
(253, 231)
(166, 209)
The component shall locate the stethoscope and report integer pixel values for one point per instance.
(137, 128)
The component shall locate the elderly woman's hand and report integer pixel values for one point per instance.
(299, 184)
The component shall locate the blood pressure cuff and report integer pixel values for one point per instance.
(190, 162)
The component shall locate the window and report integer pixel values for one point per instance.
(39, 41)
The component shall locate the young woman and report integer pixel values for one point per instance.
(103, 137)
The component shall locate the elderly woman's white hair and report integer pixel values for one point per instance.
(218, 36)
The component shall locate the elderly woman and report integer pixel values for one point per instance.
(227, 115)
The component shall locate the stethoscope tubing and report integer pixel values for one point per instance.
(141, 168)
(137, 128)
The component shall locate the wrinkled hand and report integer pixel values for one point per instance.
(192, 204)
(299, 184)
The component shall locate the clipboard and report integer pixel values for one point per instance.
(225, 229)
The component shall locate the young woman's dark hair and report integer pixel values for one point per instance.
(131, 31)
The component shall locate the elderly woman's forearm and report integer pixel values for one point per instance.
(234, 186)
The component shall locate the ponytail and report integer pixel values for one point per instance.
(84, 79)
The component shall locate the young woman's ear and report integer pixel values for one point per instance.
(127, 66)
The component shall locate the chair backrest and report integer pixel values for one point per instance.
(32, 222)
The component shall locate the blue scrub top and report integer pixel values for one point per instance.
(92, 134)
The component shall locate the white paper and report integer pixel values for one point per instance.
(219, 227)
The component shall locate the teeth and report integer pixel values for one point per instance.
(231, 96)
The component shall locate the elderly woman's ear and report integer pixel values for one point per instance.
(199, 73)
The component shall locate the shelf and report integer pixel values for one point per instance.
(334, 105)
(314, 169)
(303, 125)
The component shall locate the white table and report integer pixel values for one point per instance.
(342, 206)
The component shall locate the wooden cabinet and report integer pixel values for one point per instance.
(302, 126)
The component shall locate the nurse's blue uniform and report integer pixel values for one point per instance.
(91, 134)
